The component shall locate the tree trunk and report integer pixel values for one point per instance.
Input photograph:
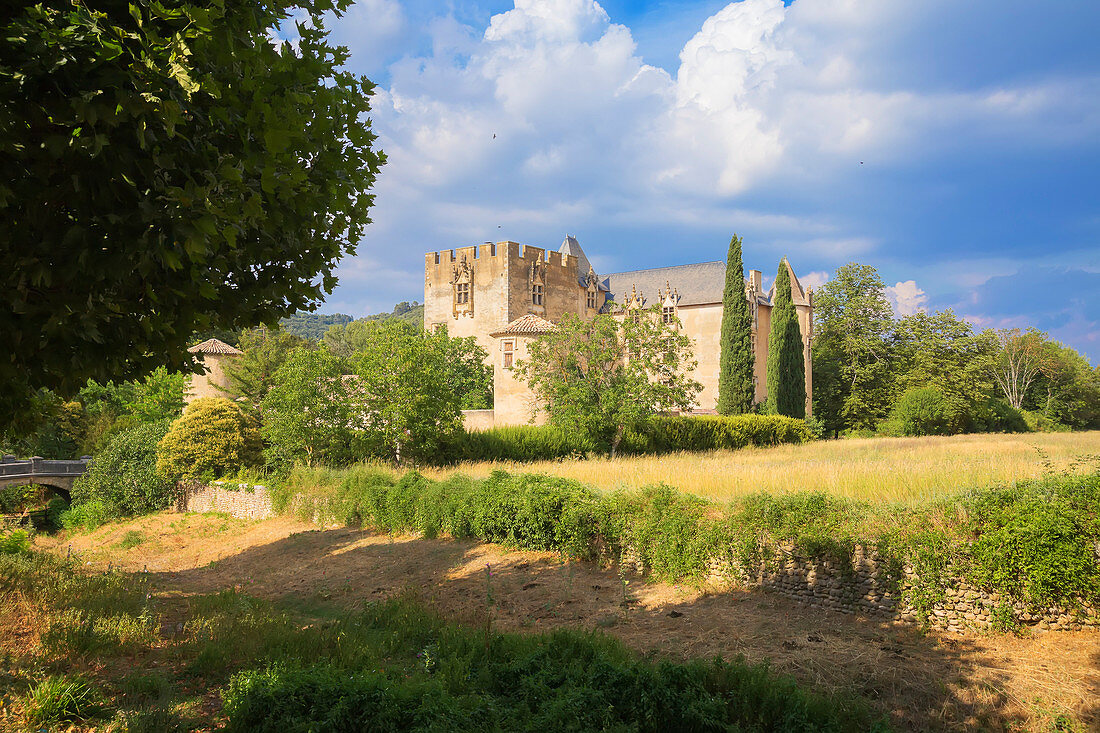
(616, 440)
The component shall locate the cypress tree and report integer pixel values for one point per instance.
(735, 388)
(786, 362)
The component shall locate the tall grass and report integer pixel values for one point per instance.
(891, 470)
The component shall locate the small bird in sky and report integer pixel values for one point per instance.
(494, 136)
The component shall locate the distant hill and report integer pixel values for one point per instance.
(404, 311)
(313, 325)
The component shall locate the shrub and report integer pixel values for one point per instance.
(518, 443)
(15, 542)
(1040, 423)
(88, 515)
(62, 699)
(213, 437)
(922, 411)
(661, 434)
(123, 480)
(997, 416)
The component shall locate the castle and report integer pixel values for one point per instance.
(504, 294)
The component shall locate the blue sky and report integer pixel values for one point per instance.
(953, 146)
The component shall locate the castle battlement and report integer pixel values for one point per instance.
(507, 248)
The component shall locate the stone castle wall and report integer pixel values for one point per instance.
(501, 289)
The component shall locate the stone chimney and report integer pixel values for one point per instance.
(756, 281)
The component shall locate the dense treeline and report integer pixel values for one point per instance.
(933, 373)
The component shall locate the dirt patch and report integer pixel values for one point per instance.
(937, 681)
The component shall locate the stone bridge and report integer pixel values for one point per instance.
(57, 475)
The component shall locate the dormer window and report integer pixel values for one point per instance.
(591, 299)
(536, 294)
(668, 314)
(462, 293)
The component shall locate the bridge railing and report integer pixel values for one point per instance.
(11, 466)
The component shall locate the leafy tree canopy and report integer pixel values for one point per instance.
(253, 374)
(603, 376)
(852, 349)
(165, 168)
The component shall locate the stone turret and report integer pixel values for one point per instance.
(213, 355)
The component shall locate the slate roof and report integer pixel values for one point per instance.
(214, 346)
(697, 284)
(528, 325)
(570, 246)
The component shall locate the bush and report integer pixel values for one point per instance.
(15, 542)
(518, 443)
(666, 434)
(661, 434)
(922, 411)
(214, 437)
(1039, 423)
(997, 416)
(123, 480)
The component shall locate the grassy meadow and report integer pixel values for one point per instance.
(900, 470)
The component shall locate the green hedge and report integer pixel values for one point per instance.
(1033, 542)
(659, 435)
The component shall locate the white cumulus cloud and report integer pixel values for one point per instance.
(906, 298)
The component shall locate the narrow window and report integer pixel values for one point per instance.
(668, 313)
(591, 299)
(536, 294)
(463, 294)
(507, 347)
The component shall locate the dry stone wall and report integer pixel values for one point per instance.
(244, 501)
(864, 585)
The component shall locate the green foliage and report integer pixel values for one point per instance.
(1036, 541)
(312, 326)
(411, 387)
(307, 413)
(658, 434)
(1037, 422)
(253, 373)
(123, 480)
(518, 443)
(923, 411)
(997, 416)
(15, 542)
(736, 390)
(786, 361)
(852, 350)
(63, 699)
(199, 176)
(664, 434)
(14, 499)
(214, 437)
(88, 515)
(941, 351)
(603, 377)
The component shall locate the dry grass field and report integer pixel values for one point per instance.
(906, 470)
